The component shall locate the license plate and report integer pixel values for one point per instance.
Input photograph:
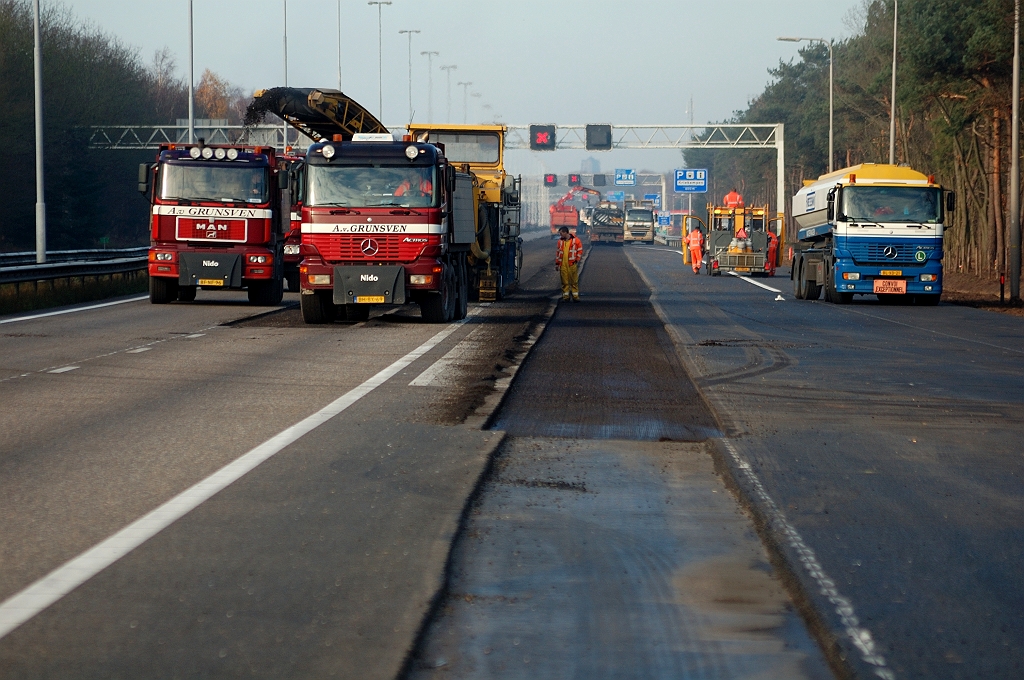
(369, 299)
(743, 269)
(891, 272)
(211, 282)
(898, 286)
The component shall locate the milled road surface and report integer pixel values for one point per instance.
(603, 544)
(889, 440)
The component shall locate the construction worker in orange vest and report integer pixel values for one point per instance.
(773, 251)
(695, 241)
(567, 262)
(733, 199)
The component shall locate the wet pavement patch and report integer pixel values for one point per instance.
(606, 369)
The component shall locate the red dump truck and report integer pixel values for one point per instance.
(218, 221)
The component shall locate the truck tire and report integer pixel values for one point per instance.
(355, 312)
(162, 290)
(266, 293)
(186, 293)
(808, 290)
(461, 290)
(833, 294)
(439, 307)
(318, 307)
(796, 273)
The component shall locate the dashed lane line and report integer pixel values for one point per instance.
(24, 605)
(76, 309)
(64, 369)
(753, 282)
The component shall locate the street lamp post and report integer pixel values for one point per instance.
(831, 96)
(475, 95)
(380, 57)
(448, 70)
(465, 100)
(284, 124)
(409, 32)
(892, 97)
(37, 58)
(430, 83)
(191, 81)
(1015, 163)
(339, 45)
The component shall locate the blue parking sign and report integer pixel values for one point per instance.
(691, 181)
(625, 177)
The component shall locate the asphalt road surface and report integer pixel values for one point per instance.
(881, 447)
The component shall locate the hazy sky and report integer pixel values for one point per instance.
(531, 61)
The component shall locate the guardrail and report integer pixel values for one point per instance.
(65, 270)
(29, 257)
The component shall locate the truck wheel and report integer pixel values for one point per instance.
(808, 290)
(318, 307)
(462, 291)
(796, 274)
(440, 307)
(266, 293)
(292, 278)
(162, 290)
(186, 293)
(357, 312)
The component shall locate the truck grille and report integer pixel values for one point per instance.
(875, 253)
(346, 248)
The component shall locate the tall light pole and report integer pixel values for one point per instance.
(465, 99)
(831, 95)
(430, 83)
(37, 58)
(1015, 163)
(475, 95)
(448, 70)
(409, 32)
(892, 97)
(380, 57)
(284, 124)
(191, 81)
(339, 45)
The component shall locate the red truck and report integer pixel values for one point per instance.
(219, 216)
(384, 222)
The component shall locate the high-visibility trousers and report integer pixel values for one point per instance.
(570, 274)
(696, 255)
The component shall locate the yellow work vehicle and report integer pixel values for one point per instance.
(738, 240)
(497, 255)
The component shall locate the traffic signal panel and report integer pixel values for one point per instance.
(542, 137)
(551, 180)
(599, 138)
(600, 181)
(575, 180)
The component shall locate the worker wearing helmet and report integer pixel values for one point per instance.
(733, 199)
(567, 262)
(695, 241)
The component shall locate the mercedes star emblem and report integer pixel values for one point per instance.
(369, 247)
(890, 252)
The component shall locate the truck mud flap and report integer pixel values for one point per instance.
(210, 269)
(363, 284)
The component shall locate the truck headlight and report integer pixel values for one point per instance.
(194, 152)
(319, 279)
(207, 153)
(928, 277)
(219, 154)
(291, 249)
(258, 259)
(328, 151)
(420, 279)
(232, 154)
(851, 276)
(164, 257)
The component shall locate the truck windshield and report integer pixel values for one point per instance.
(210, 182)
(469, 147)
(893, 204)
(402, 185)
(640, 216)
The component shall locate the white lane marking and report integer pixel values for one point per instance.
(439, 373)
(138, 350)
(859, 635)
(22, 606)
(195, 335)
(76, 309)
(663, 250)
(64, 369)
(752, 281)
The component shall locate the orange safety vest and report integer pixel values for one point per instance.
(733, 200)
(575, 247)
(695, 239)
(426, 187)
